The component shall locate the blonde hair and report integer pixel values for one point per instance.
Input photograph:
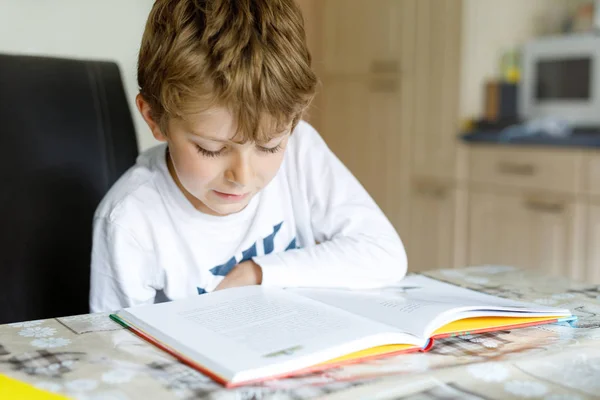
(249, 56)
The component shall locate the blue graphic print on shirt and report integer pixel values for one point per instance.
(268, 245)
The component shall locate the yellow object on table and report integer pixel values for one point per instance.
(13, 389)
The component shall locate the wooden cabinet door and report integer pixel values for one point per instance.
(591, 272)
(430, 242)
(362, 37)
(437, 71)
(531, 232)
(361, 125)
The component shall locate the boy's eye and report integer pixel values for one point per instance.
(270, 150)
(208, 153)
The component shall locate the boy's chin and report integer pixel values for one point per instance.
(227, 209)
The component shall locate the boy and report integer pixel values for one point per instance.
(242, 192)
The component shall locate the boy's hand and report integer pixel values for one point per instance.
(244, 274)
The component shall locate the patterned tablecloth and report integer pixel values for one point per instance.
(91, 357)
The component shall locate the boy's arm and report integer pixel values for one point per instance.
(121, 271)
(358, 247)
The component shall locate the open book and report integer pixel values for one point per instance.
(253, 333)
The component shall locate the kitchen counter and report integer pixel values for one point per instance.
(579, 138)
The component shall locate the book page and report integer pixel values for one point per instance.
(265, 325)
(250, 327)
(419, 305)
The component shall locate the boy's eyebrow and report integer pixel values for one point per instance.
(203, 136)
(214, 139)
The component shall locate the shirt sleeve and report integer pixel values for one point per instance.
(358, 247)
(121, 270)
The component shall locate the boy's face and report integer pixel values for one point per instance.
(217, 175)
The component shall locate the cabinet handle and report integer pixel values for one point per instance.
(510, 168)
(384, 85)
(384, 67)
(547, 206)
(432, 190)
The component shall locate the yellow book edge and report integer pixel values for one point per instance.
(11, 388)
(460, 327)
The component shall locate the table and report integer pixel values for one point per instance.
(91, 357)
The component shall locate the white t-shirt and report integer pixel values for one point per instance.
(312, 225)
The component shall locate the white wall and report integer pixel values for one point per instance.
(491, 27)
(102, 29)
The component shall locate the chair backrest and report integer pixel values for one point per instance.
(66, 135)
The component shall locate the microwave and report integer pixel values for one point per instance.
(561, 79)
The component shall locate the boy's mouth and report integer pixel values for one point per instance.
(230, 196)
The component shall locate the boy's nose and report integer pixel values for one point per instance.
(240, 172)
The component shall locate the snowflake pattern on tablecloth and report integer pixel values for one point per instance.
(118, 376)
(53, 369)
(49, 386)
(44, 363)
(48, 343)
(37, 331)
(489, 372)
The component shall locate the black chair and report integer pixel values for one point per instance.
(66, 135)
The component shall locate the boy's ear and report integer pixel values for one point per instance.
(146, 111)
